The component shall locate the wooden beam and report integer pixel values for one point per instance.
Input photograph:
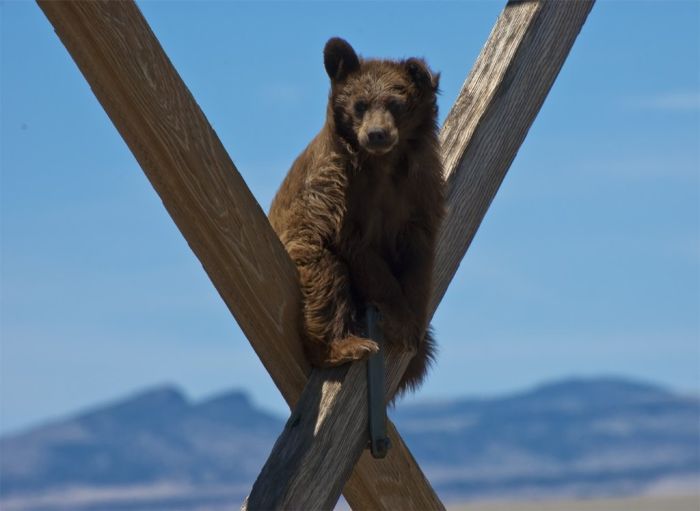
(209, 201)
(482, 134)
(493, 113)
(190, 170)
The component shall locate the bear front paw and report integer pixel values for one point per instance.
(349, 349)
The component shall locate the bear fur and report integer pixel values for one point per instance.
(359, 211)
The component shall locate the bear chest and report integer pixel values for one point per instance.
(378, 212)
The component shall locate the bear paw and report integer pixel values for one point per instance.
(349, 349)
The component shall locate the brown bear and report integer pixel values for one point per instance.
(360, 208)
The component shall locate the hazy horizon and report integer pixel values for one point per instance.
(109, 401)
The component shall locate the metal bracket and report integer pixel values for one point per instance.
(378, 440)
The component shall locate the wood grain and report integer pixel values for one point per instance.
(209, 201)
(493, 113)
(480, 139)
(189, 168)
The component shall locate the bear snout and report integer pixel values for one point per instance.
(377, 136)
(378, 140)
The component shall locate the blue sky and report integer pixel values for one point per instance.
(586, 264)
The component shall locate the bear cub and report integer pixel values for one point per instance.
(359, 210)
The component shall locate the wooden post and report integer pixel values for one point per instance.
(210, 203)
(512, 76)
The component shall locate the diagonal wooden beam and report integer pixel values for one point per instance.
(210, 203)
(493, 113)
(189, 168)
(308, 465)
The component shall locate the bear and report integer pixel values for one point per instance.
(360, 208)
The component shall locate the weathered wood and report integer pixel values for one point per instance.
(309, 463)
(200, 187)
(189, 168)
(493, 113)
(481, 137)
(394, 476)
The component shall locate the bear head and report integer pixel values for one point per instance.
(377, 106)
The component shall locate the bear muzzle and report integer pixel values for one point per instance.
(378, 139)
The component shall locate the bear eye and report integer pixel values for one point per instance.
(395, 106)
(360, 107)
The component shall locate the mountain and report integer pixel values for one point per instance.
(571, 438)
(157, 450)
(155, 446)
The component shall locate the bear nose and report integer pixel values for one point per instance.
(377, 136)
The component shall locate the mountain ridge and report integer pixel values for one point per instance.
(572, 437)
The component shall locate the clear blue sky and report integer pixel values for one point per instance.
(587, 263)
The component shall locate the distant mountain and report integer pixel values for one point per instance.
(155, 445)
(157, 450)
(572, 438)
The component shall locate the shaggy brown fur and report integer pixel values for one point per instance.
(360, 208)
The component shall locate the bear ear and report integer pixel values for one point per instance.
(340, 59)
(421, 75)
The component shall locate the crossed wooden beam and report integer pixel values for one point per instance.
(321, 450)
